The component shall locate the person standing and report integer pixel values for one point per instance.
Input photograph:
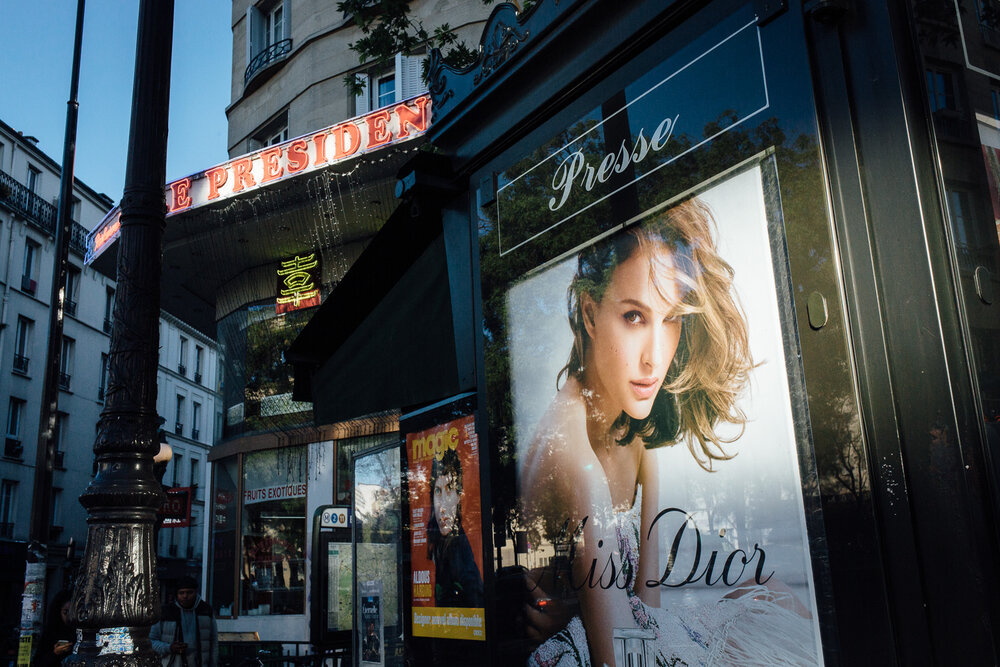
(186, 635)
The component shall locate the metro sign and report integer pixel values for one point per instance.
(357, 136)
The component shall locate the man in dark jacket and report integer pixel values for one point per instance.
(186, 635)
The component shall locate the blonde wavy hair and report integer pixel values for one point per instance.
(712, 364)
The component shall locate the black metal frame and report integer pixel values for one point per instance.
(269, 56)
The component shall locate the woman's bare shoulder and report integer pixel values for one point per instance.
(559, 441)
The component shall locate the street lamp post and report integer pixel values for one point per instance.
(117, 595)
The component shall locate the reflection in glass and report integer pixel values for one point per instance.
(272, 572)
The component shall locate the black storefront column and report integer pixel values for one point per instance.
(117, 599)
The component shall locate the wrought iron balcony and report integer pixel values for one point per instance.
(179, 428)
(70, 307)
(182, 369)
(197, 377)
(268, 56)
(195, 433)
(21, 364)
(64, 379)
(107, 325)
(39, 213)
(12, 448)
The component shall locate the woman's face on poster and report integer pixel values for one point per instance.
(634, 331)
(446, 494)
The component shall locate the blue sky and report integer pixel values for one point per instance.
(36, 55)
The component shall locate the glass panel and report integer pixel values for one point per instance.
(646, 364)
(273, 530)
(378, 558)
(346, 448)
(225, 498)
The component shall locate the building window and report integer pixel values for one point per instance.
(71, 293)
(22, 344)
(273, 132)
(403, 81)
(56, 524)
(940, 90)
(103, 386)
(74, 210)
(268, 35)
(29, 275)
(179, 416)
(66, 363)
(34, 177)
(386, 90)
(178, 462)
(195, 472)
(12, 444)
(182, 356)
(195, 420)
(198, 353)
(58, 439)
(8, 507)
(109, 309)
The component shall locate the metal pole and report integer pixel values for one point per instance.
(33, 604)
(117, 595)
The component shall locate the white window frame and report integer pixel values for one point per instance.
(407, 73)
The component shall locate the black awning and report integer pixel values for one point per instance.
(385, 337)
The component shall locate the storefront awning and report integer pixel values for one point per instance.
(385, 338)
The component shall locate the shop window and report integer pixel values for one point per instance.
(223, 568)
(382, 88)
(273, 532)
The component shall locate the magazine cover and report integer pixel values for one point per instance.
(446, 539)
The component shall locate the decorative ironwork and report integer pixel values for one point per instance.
(64, 379)
(12, 448)
(70, 307)
(504, 36)
(39, 213)
(182, 369)
(268, 56)
(107, 325)
(438, 81)
(197, 377)
(179, 428)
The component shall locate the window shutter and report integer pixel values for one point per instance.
(362, 101)
(286, 22)
(410, 72)
(255, 25)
